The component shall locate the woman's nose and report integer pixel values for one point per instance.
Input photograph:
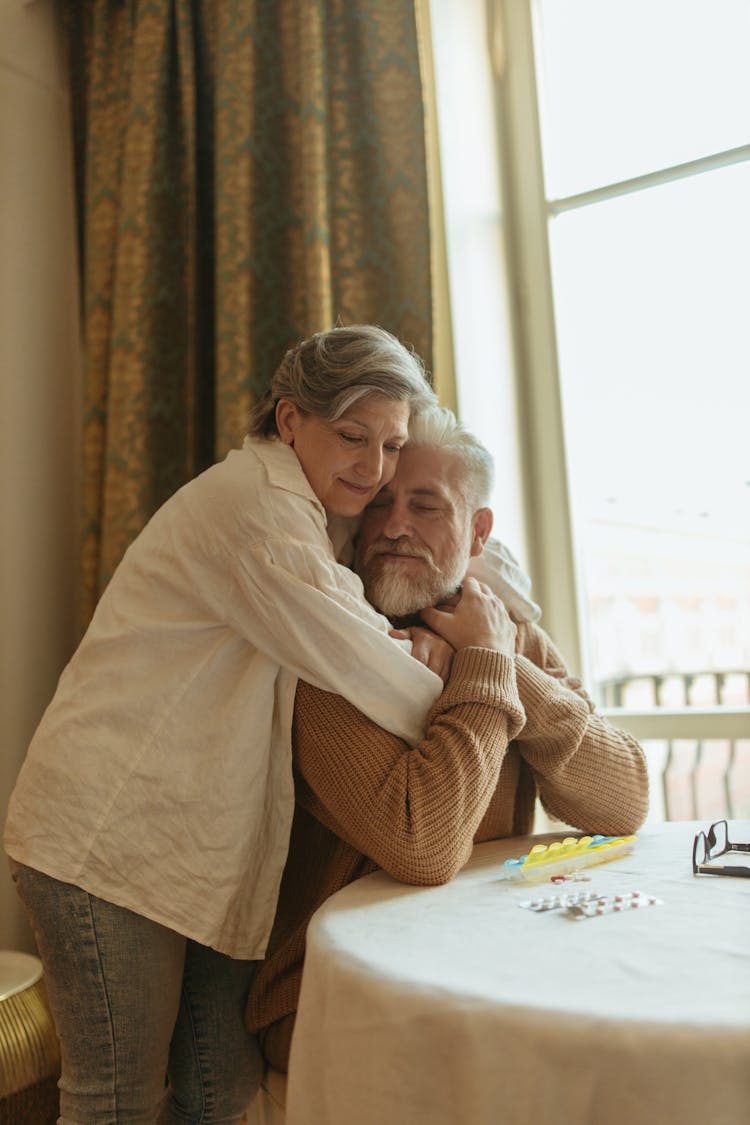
(370, 464)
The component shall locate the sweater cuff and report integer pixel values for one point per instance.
(482, 675)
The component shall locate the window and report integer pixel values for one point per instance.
(620, 218)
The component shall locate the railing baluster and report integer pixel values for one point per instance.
(728, 779)
(694, 777)
(665, 779)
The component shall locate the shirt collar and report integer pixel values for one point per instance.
(283, 468)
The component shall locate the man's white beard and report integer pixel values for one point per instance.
(399, 594)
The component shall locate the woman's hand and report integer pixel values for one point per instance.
(429, 649)
(477, 619)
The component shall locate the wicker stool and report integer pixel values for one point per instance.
(29, 1050)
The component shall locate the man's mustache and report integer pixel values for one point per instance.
(401, 546)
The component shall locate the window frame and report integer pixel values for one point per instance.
(545, 488)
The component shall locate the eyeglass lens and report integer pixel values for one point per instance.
(716, 839)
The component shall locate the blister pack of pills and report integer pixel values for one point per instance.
(590, 904)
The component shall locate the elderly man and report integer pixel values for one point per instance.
(509, 725)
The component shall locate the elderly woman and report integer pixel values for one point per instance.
(150, 822)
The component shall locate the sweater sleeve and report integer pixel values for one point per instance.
(589, 774)
(413, 812)
(248, 545)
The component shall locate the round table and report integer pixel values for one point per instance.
(453, 1005)
(29, 1049)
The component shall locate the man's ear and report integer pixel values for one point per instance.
(481, 526)
(287, 417)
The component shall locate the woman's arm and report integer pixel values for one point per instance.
(309, 615)
(255, 548)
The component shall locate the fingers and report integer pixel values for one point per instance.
(429, 649)
(450, 603)
(475, 597)
(432, 651)
(439, 661)
(471, 593)
(478, 619)
(572, 683)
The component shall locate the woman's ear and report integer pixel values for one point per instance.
(287, 419)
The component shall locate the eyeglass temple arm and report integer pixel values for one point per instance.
(713, 869)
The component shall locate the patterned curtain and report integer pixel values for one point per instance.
(248, 172)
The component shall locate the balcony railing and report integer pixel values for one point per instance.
(695, 777)
(724, 688)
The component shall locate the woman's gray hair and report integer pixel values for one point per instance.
(438, 428)
(327, 373)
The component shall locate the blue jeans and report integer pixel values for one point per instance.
(151, 1024)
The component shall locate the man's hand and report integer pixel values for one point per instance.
(477, 619)
(428, 648)
(572, 683)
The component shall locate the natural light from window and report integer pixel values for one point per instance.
(627, 86)
(651, 291)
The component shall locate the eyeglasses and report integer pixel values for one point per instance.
(712, 844)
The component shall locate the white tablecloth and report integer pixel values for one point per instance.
(452, 1006)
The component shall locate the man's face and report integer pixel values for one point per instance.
(418, 534)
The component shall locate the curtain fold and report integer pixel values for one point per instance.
(248, 172)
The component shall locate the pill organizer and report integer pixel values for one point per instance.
(565, 856)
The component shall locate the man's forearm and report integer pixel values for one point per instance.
(414, 812)
(589, 774)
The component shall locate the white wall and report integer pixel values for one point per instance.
(39, 389)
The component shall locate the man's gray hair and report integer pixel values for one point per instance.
(438, 428)
(327, 373)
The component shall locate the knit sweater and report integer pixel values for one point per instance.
(504, 730)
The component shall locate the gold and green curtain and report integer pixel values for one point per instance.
(248, 172)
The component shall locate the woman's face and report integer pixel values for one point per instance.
(348, 460)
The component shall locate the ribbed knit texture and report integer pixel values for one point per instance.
(502, 731)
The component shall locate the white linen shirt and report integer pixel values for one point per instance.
(160, 775)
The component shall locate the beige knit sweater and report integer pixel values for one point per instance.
(502, 731)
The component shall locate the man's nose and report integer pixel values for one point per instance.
(397, 522)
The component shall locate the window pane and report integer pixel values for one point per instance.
(651, 296)
(629, 86)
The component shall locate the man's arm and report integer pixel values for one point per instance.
(361, 792)
(414, 812)
(589, 774)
